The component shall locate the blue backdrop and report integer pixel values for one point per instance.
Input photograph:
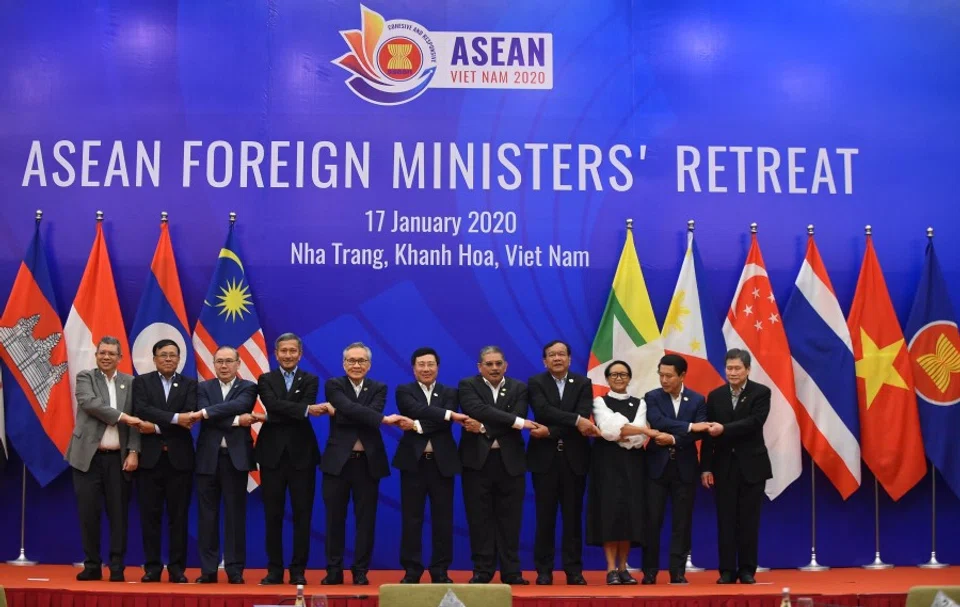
(869, 88)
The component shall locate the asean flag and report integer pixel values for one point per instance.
(39, 420)
(94, 314)
(688, 331)
(753, 323)
(161, 313)
(890, 438)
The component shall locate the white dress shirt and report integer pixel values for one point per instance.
(428, 392)
(611, 423)
(357, 388)
(495, 390)
(111, 436)
(224, 390)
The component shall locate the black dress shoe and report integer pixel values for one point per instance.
(272, 579)
(207, 578)
(297, 578)
(116, 575)
(613, 578)
(360, 578)
(235, 579)
(411, 578)
(150, 577)
(727, 578)
(332, 579)
(515, 580)
(576, 579)
(480, 578)
(678, 579)
(747, 578)
(544, 579)
(649, 579)
(626, 579)
(90, 574)
(441, 579)
(176, 578)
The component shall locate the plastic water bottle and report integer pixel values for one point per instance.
(785, 600)
(299, 602)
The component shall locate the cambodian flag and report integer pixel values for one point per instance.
(824, 373)
(161, 313)
(39, 415)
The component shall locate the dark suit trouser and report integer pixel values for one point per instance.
(681, 503)
(559, 487)
(494, 504)
(302, 484)
(415, 487)
(160, 486)
(103, 483)
(230, 485)
(354, 479)
(738, 522)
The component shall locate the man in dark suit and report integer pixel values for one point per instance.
(672, 467)
(354, 461)
(104, 452)
(734, 458)
(558, 457)
(164, 399)
(224, 460)
(428, 461)
(494, 466)
(288, 455)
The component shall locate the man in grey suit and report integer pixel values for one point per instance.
(103, 452)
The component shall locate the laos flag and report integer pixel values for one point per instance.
(161, 314)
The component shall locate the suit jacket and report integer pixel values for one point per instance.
(357, 418)
(94, 414)
(288, 427)
(412, 402)
(742, 434)
(497, 418)
(661, 416)
(218, 425)
(150, 404)
(560, 417)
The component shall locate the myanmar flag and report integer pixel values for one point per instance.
(628, 330)
(890, 439)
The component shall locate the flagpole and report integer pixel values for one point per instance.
(877, 561)
(22, 560)
(813, 565)
(691, 567)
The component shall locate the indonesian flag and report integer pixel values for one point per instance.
(753, 324)
(94, 314)
(628, 330)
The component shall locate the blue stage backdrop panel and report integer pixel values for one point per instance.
(527, 126)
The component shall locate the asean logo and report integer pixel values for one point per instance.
(390, 62)
(935, 354)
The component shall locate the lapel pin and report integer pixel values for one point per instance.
(570, 380)
(123, 387)
(175, 385)
(296, 391)
(685, 399)
(364, 389)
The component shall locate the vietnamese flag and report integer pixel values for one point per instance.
(890, 438)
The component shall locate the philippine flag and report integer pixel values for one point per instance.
(161, 313)
(95, 314)
(824, 374)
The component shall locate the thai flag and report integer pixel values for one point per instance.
(95, 313)
(229, 318)
(824, 373)
(39, 417)
(161, 313)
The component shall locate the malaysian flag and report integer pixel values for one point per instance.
(229, 318)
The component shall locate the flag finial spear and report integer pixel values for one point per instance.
(99, 215)
(630, 224)
(233, 218)
(163, 216)
(810, 229)
(753, 227)
(690, 223)
(39, 215)
(868, 230)
(930, 232)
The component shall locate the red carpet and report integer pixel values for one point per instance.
(55, 586)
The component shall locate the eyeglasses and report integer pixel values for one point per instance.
(352, 362)
(107, 354)
(225, 361)
(619, 375)
(168, 356)
(426, 365)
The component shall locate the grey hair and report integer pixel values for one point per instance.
(738, 354)
(110, 340)
(289, 337)
(490, 350)
(358, 344)
(236, 353)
